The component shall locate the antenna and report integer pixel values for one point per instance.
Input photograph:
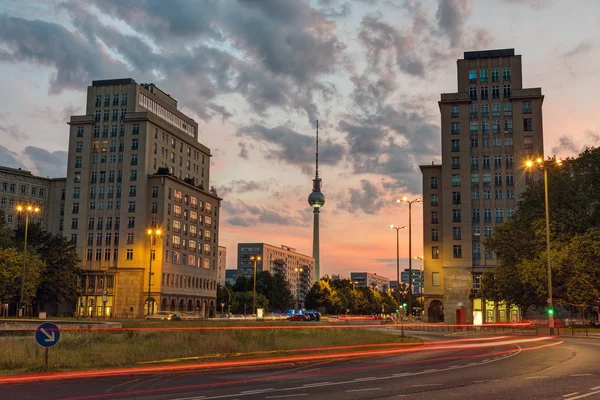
(317, 159)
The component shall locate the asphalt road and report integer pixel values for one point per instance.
(457, 367)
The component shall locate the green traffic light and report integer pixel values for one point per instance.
(551, 311)
(404, 305)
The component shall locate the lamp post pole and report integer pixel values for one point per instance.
(541, 163)
(298, 271)
(153, 234)
(27, 210)
(254, 259)
(410, 203)
(397, 261)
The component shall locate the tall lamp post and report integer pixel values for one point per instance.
(153, 233)
(27, 210)
(254, 259)
(544, 165)
(410, 203)
(397, 260)
(421, 278)
(298, 272)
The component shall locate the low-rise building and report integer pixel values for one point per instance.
(367, 279)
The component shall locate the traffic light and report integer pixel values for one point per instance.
(550, 311)
(397, 310)
(404, 305)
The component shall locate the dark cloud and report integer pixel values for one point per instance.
(13, 133)
(243, 150)
(291, 147)
(581, 48)
(451, 16)
(10, 158)
(368, 198)
(244, 214)
(52, 164)
(387, 48)
(76, 61)
(244, 186)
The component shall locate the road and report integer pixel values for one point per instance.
(455, 367)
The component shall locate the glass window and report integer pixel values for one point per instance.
(457, 251)
(472, 75)
(455, 180)
(435, 254)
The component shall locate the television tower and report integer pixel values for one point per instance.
(316, 200)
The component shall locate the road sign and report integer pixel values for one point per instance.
(104, 292)
(549, 300)
(47, 334)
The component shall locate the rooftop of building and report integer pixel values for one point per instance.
(273, 247)
(17, 171)
(470, 55)
(112, 82)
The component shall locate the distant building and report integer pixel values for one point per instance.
(367, 279)
(282, 259)
(20, 187)
(337, 277)
(231, 276)
(416, 281)
(221, 265)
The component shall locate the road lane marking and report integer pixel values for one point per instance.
(430, 370)
(581, 375)
(595, 388)
(399, 375)
(370, 378)
(487, 359)
(584, 395)
(286, 395)
(317, 384)
(537, 377)
(454, 366)
(570, 394)
(478, 381)
(495, 380)
(427, 384)
(256, 391)
(362, 390)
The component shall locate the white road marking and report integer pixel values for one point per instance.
(430, 370)
(454, 366)
(570, 394)
(495, 380)
(399, 375)
(595, 388)
(487, 359)
(286, 395)
(584, 395)
(318, 384)
(478, 381)
(581, 375)
(257, 391)
(537, 377)
(427, 384)
(362, 390)
(370, 378)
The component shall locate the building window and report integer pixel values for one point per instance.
(135, 129)
(434, 200)
(131, 222)
(527, 107)
(508, 161)
(455, 128)
(495, 92)
(485, 110)
(498, 179)
(456, 198)
(456, 180)
(74, 223)
(434, 182)
(475, 195)
(474, 143)
(472, 76)
(507, 91)
(510, 179)
(483, 75)
(487, 215)
(455, 162)
(456, 233)
(499, 215)
(134, 159)
(495, 74)
(474, 162)
(527, 125)
(454, 113)
(473, 93)
(434, 217)
(477, 251)
(510, 194)
(484, 93)
(435, 235)
(456, 216)
(473, 111)
(457, 251)
(473, 127)
(455, 145)
(506, 74)
(498, 194)
(129, 254)
(435, 276)
(510, 213)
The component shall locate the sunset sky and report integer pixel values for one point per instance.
(257, 74)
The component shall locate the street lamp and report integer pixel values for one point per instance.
(421, 278)
(153, 234)
(27, 210)
(254, 259)
(410, 203)
(544, 165)
(298, 271)
(397, 259)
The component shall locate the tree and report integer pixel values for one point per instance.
(281, 296)
(243, 300)
(320, 295)
(11, 272)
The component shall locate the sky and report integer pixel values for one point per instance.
(257, 74)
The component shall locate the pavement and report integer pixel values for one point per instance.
(454, 366)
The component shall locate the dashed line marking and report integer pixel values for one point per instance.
(537, 377)
(430, 370)
(362, 390)
(370, 378)
(427, 384)
(584, 395)
(317, 384)
(581, 375)
(570, 394)
(595, 388)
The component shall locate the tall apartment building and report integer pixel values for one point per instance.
(135, 163)
(282, 259)
(489, 128)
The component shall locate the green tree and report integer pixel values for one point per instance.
(11, 272)
(320, 295)
(280, 297)
(243, 300)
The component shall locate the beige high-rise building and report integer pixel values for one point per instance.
(489, 128)
(135, 163)
(222, 265)
(21, 188)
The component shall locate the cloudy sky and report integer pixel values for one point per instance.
(257, 74)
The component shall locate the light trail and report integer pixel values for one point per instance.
(254, 362)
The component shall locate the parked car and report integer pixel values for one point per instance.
(298, 317)
(172, 317)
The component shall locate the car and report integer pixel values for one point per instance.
(172, 317)
(298, 317)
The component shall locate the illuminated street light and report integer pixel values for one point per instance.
(410, 203)
(254, 259)
(397, 259)
(544, 165)
(153, 234)
(27, 210)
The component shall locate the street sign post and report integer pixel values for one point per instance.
(104, 300)
(47, 335)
